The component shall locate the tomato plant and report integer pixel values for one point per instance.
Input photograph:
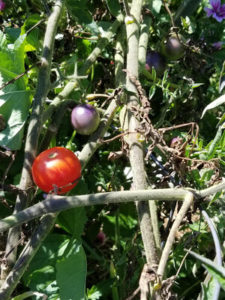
(57, 169)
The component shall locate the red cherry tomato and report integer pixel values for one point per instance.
(57, 169)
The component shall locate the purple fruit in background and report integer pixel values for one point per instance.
(175, 142)
(156, 60)
(101, 237)
(2, 5)
(173, 48)
(85, 119)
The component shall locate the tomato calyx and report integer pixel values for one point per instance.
(57, 189)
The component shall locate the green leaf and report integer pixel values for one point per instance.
(93, 293)
(12, 34)
(79, 10)
(71, 272)
(214, 104)
(14, 98)
(187, 8)
(73, 221)
(14, 106)
(156, 6)
(196, 85)
(113, 6)
(222, 78)
(218, 272)
(209, 290)
(3, 40)
(33, 38)
(41, 274)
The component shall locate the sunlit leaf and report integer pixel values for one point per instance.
(71, 272)
(218, 272)
(156, 5)
(214, 104)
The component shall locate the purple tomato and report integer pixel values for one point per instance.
(2, 5)
(156, 60)
(85, 119)
(173, 48)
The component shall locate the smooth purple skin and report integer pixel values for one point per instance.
(156, 60)
(101, 237)
(85, 119)
(2, 5)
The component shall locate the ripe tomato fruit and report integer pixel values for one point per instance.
(57, 169)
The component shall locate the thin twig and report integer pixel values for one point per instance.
(169, 13)
(17, 77)
(126, 7)
(71, 85)
(134, 294)
(171, 237)
(35, 25)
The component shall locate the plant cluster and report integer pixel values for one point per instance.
(112, 149)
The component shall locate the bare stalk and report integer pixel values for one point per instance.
(143, 44)
(171, 237)
(129, 122)
(60, 203)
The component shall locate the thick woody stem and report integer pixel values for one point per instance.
(136, 154)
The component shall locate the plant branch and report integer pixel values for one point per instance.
(171, 237)
(130, 123)
(84, 157)
(143, 44)
(34, 127)
(55, 203)
(25, 257)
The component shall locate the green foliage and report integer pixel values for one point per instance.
(58, 258)
(79, 10)
(218, 272)
(75, 262)
(114, 7)
(15, 100)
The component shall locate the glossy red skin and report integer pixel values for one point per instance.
(56, 170)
